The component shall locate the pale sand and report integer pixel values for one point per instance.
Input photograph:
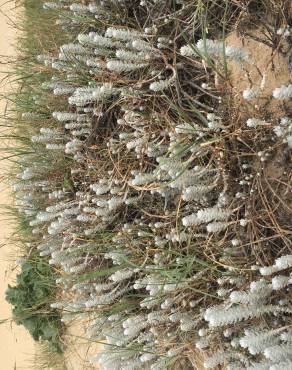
(79, 350)
(16, 345)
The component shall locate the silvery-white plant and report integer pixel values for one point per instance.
(215, 48)
(283, 93)
(142, 250)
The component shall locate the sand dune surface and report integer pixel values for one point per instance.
(16, 345)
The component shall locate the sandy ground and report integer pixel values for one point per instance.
(16, 345)
(267, 69)
(79, 351)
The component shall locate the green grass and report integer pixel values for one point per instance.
(45, 358)
(35, 287)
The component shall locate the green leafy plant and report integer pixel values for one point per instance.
(34, 289)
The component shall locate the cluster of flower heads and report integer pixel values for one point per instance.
(247, 341)
(145, 196)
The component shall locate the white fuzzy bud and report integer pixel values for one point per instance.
(284, 92)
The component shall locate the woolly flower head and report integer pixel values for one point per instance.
(78, 8)
(161, 85)
(235, 53)
(278, 353)
(215, 360)
(212, 47)
(141, 45)
(213, 213)
(191, 220)
(187, 51)
(64, 116)
(256, 340)
(250, 94)
(220, 316)
(284, 92)
(280, 282)
(123, 34)
(216, 49)
(215, 227)
(73, 49)
(126, 55)
(121, 66)
(284, 31)
(254, 122)
(52, 5)
(104, 91)
(121, 275)
(284, 262)
(284, 130)
(147, 357)
(281, 263)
